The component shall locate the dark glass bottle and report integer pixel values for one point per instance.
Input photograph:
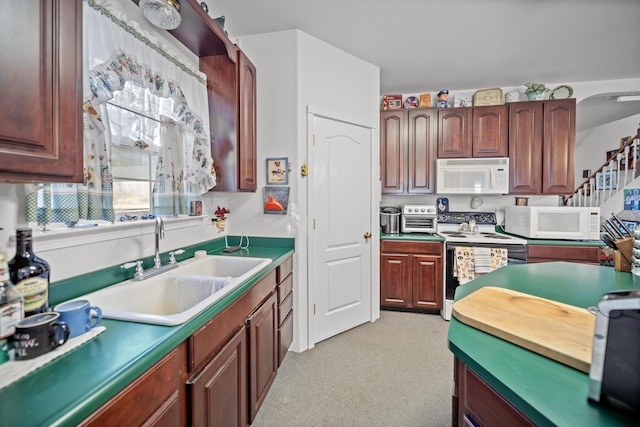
(30, 274)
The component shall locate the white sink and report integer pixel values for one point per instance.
(176, 296)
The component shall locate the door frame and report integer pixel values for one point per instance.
(375, 198)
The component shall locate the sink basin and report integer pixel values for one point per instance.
(178, 295)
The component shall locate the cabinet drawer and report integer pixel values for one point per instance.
(154, 396)
(285, 337)
(285, 288)
(284, 269)
(581, 254)
(405, 247)
(285, 308)
(482, 405)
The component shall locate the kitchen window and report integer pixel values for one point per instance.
(145, 115)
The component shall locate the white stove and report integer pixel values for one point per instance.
(475, 229)
(460, 227)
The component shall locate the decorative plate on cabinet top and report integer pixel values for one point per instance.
(561, 92)
(411, 102)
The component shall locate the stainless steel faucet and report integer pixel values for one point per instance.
(159, 235)
(158, 268)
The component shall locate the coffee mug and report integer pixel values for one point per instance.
(39, 334)
(77, 315)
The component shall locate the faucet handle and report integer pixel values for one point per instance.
(137, 264)
(172, 255)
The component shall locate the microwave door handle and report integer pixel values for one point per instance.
(491, 171)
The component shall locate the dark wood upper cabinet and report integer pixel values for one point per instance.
(393, 132)
(247, 144)
(542, 146)
(422, 145)
(454, 132)
(41, 86)
(490, 131)
(473, 132)
(408, 151)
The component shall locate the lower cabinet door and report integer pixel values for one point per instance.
(427, 282)
(219, 391)
(263, 353)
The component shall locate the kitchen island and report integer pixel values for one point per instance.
(546, 392)
(70, 388)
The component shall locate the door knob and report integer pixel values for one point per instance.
(367, 235)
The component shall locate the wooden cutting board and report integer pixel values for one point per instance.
(558, 331)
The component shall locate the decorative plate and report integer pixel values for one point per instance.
(561, 92)
(487, 97)
(411, 102)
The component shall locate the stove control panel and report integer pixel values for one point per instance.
(419, 210)
(462, 217)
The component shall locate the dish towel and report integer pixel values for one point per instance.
(473, 262)
(482, 260)
(463, 264)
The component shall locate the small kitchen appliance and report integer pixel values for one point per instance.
(474, 229)
(390, 219)
(488, 175)
(614, 374)
(419, 219)
(553, 222)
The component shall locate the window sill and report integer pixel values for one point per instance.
(59, 238)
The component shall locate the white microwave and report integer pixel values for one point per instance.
(553, 222)
(489, 175)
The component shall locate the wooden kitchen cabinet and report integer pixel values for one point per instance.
(454, 132)
(542, 146)
(408, 151)
(263, 353)
(284, 278)
(156, 398)
(219, 391)
(231, 88)
(549, 253)
(473, 132)
(490, 131)
(41, 85)
(411, 274)
(475, 403)
(221, 374)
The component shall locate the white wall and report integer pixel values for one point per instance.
(591, 153)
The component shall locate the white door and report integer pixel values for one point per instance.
(340, 243)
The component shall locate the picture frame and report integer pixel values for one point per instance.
(607, 180)
(278, 171)
(275, 200)
(625, 141)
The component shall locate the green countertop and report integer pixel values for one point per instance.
(548, 392)
(424, 237)
(71, 387)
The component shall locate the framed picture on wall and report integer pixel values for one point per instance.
(277, 171)
(607, 180)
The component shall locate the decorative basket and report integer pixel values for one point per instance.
(487, 97)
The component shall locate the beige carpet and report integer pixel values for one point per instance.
(396, 371)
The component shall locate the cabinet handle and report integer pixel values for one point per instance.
(367, 235)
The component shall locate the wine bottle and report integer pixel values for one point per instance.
(30, 274)
(11, 302)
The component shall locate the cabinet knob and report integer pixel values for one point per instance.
(367, 235)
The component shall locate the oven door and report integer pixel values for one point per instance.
(517, 254)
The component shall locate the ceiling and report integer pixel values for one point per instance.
(428, 45)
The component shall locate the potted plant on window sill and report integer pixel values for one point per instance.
(536, 91)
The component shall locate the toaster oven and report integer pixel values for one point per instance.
(419, 219)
